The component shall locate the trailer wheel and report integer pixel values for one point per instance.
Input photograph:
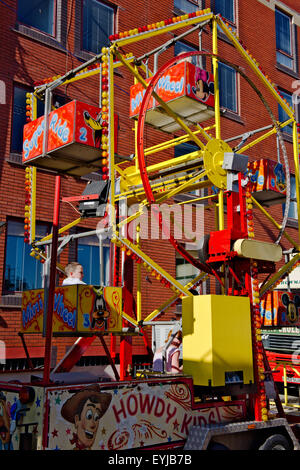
(216, 446)
(276, 442)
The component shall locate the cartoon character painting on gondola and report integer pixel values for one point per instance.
(280, 180)
(204, 85)
(95, 125)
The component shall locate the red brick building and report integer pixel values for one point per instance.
(41, 39)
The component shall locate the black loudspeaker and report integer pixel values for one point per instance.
(96, 196)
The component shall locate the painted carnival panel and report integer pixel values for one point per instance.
(128, 417)
(20, 424)
(76, 309)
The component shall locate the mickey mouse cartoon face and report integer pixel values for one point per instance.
(291, 307)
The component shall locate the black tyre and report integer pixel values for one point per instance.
(216, 446)
(276, 442)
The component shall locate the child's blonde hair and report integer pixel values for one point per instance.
(71, 267)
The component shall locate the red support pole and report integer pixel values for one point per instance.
(52, 280)
(125, 357)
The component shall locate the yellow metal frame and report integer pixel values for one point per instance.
(176, 184)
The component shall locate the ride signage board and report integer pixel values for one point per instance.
(132, 416)
(267, 181)
(77, 309)
(280, 308)
(74, 137)
(186, 88)
(66, 124)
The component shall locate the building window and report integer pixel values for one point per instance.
(185, 272)
(22, 271)
(284, 40)
(89, 256)
(187, 6)
(184, 149)
(282, 115)
(228, 87)
(97, 25)
(40, 14)
(19, 117)
(181, 47)
(226, 8)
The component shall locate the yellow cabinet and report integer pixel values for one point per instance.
(217, 344)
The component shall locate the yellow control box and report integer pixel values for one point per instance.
(217, 344)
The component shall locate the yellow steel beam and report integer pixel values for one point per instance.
(196, 199)
(133, 216)
(162, 103)
(216, 78)
(297, 176)
(33, 205)
(163, 186)
(182, 187)
(111, 150)
(152, 264)
(173, 142)
(139, 279)
(172, 299)
(217, 114)
(279, 274)
(33, 182)
(61, 230)
(254, 66)
(129, 318)
(172, 162)
(180, 22)
(264, 136)
(85, 73)
(276, 224)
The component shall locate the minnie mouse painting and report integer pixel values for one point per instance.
(203, 86)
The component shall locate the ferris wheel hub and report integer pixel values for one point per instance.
(213, 158)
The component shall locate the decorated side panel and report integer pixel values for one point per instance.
(74, 136)
(280, 308)
(267, 181)
(188, 90)
(128, 417)
(21, 423)
(77, 309)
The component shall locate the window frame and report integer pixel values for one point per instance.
(200, 59)
(59, 39)
(192, 2)
(54, 33)
(233, 25)
(79, 51)
(106, 244)
(180, 261)
(293, 56)
(229, 111)
(26, 90)
(285, 94)
(15, 154)
(20, 221)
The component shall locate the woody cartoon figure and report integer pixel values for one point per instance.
(84, 410)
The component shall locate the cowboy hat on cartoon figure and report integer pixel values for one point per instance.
(84, 409)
